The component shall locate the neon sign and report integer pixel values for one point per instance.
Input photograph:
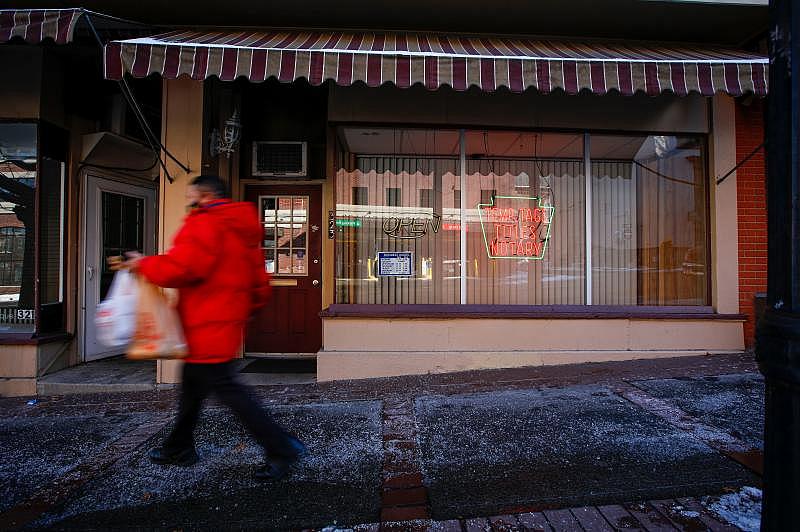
(411, 228)
(514, 232)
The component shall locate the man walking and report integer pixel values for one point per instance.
(217, 265)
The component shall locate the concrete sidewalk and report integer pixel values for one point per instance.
(406, 453)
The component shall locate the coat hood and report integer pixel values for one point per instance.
(240, 217)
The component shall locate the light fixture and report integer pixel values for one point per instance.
(522, 181)
(227, 142)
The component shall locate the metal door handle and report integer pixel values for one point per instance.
(315, 282)
(90, 271)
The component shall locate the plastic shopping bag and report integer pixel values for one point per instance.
(115, 318)
(158, 331)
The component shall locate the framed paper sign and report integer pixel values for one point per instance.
(395, 263)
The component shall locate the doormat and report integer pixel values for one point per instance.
(281, 365)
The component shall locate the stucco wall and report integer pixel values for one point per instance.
(182, 134)
(364, 347)
(611, 112)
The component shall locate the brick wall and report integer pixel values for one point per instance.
(752, 207)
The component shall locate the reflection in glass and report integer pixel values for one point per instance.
(18, 173)
(520, 173)
(524, 218)
(123, 230)
(285, 234)
(284, 262)
(379, 209)
(269, 257)
(649, 221)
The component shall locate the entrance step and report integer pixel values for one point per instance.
(273, 371)
(110, 375)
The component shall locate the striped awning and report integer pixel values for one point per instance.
(434, 61)
(36, 25)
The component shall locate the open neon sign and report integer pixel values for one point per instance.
(518, 230)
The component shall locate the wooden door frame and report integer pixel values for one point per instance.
(309, 188)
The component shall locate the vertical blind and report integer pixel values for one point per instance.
(648, 225)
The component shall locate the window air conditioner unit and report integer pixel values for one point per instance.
(279, 159)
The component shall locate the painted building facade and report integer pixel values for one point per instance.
(431, 201)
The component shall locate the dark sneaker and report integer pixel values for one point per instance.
(274, 469)
(184, 457)
(277, 468)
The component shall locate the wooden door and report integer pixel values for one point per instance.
(292, 220)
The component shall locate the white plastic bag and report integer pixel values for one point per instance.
(115, 319)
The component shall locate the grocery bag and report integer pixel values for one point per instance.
(115, 317)
(158, 332)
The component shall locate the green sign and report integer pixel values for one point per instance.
(344, 222)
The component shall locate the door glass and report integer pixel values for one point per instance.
(285, 220)
(122, 230)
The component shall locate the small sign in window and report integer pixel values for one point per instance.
(395, 263)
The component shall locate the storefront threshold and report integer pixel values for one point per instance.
(341, 365)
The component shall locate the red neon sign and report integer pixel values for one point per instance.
(511, 232)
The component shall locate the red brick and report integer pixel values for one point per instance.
(405, 497)
(751, 204)
(405, 513)
(403, 480)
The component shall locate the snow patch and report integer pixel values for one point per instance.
(742, 509)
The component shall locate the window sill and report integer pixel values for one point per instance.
(526, 312)
(32, 339)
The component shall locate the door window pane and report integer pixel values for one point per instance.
(285, 243)
(122, 229)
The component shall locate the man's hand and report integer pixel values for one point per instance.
(132, 260)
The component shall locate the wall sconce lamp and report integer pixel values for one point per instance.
(231, 134)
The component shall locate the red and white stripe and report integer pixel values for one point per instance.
(36, 25)
(434, 61)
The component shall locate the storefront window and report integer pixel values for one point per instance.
(18, 165)
(525, 228)
(527, 222)
(395, 204)
(649, 228)
(24, 167)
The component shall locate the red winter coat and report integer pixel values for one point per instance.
(217, 265)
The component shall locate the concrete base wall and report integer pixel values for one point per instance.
(358, 348)
(333, 366)
(21, 365)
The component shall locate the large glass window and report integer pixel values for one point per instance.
(649, 222)
(395, 195)
(509, 218)
(18, 165)
(31, 158)
(525, 218)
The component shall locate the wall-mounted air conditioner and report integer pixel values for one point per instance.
(280, 159)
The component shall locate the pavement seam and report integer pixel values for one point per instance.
(404, 497)
(719, 440)
(55, 493)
